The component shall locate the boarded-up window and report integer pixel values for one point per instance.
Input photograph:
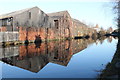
(56, 23)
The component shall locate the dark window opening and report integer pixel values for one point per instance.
(7, 21)
(44, 20)
(66, 20)
(29, 15)
(50, 25)
(4, 22)
(56, 23)
(47, 30)
(17, 24)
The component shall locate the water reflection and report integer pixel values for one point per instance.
(34, 57)
(111, 71)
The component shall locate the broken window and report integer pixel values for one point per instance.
(56, 23)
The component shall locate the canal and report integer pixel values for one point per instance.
(81, 58)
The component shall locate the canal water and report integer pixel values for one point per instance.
(81, 58)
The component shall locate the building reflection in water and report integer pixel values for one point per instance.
(34, 57)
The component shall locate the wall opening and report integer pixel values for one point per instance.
(56, 23)
(7, 24)
(29, 15)
(4, 22)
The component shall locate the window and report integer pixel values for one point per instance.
(44, 19)
(56, 23)
(17, 24)
(29, 15)
(0, 23)
(4, 22)
(50, 25)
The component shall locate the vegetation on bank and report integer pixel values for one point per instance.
(111, 72)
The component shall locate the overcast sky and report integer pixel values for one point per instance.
(88, 11)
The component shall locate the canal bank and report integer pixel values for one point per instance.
(111, 72)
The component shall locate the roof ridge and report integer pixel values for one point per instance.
(58, 12)
(16, 12)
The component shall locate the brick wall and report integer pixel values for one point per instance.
(3, 29)
(45, 33)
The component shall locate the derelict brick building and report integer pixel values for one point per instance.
(32, 23)
(62, 23)
(32, 17)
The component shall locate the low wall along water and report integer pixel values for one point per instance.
(9, 36)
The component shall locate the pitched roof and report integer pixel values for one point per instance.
(15, 13)
(61, 13)
(78, 23)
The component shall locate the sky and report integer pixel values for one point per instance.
(91, 12)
